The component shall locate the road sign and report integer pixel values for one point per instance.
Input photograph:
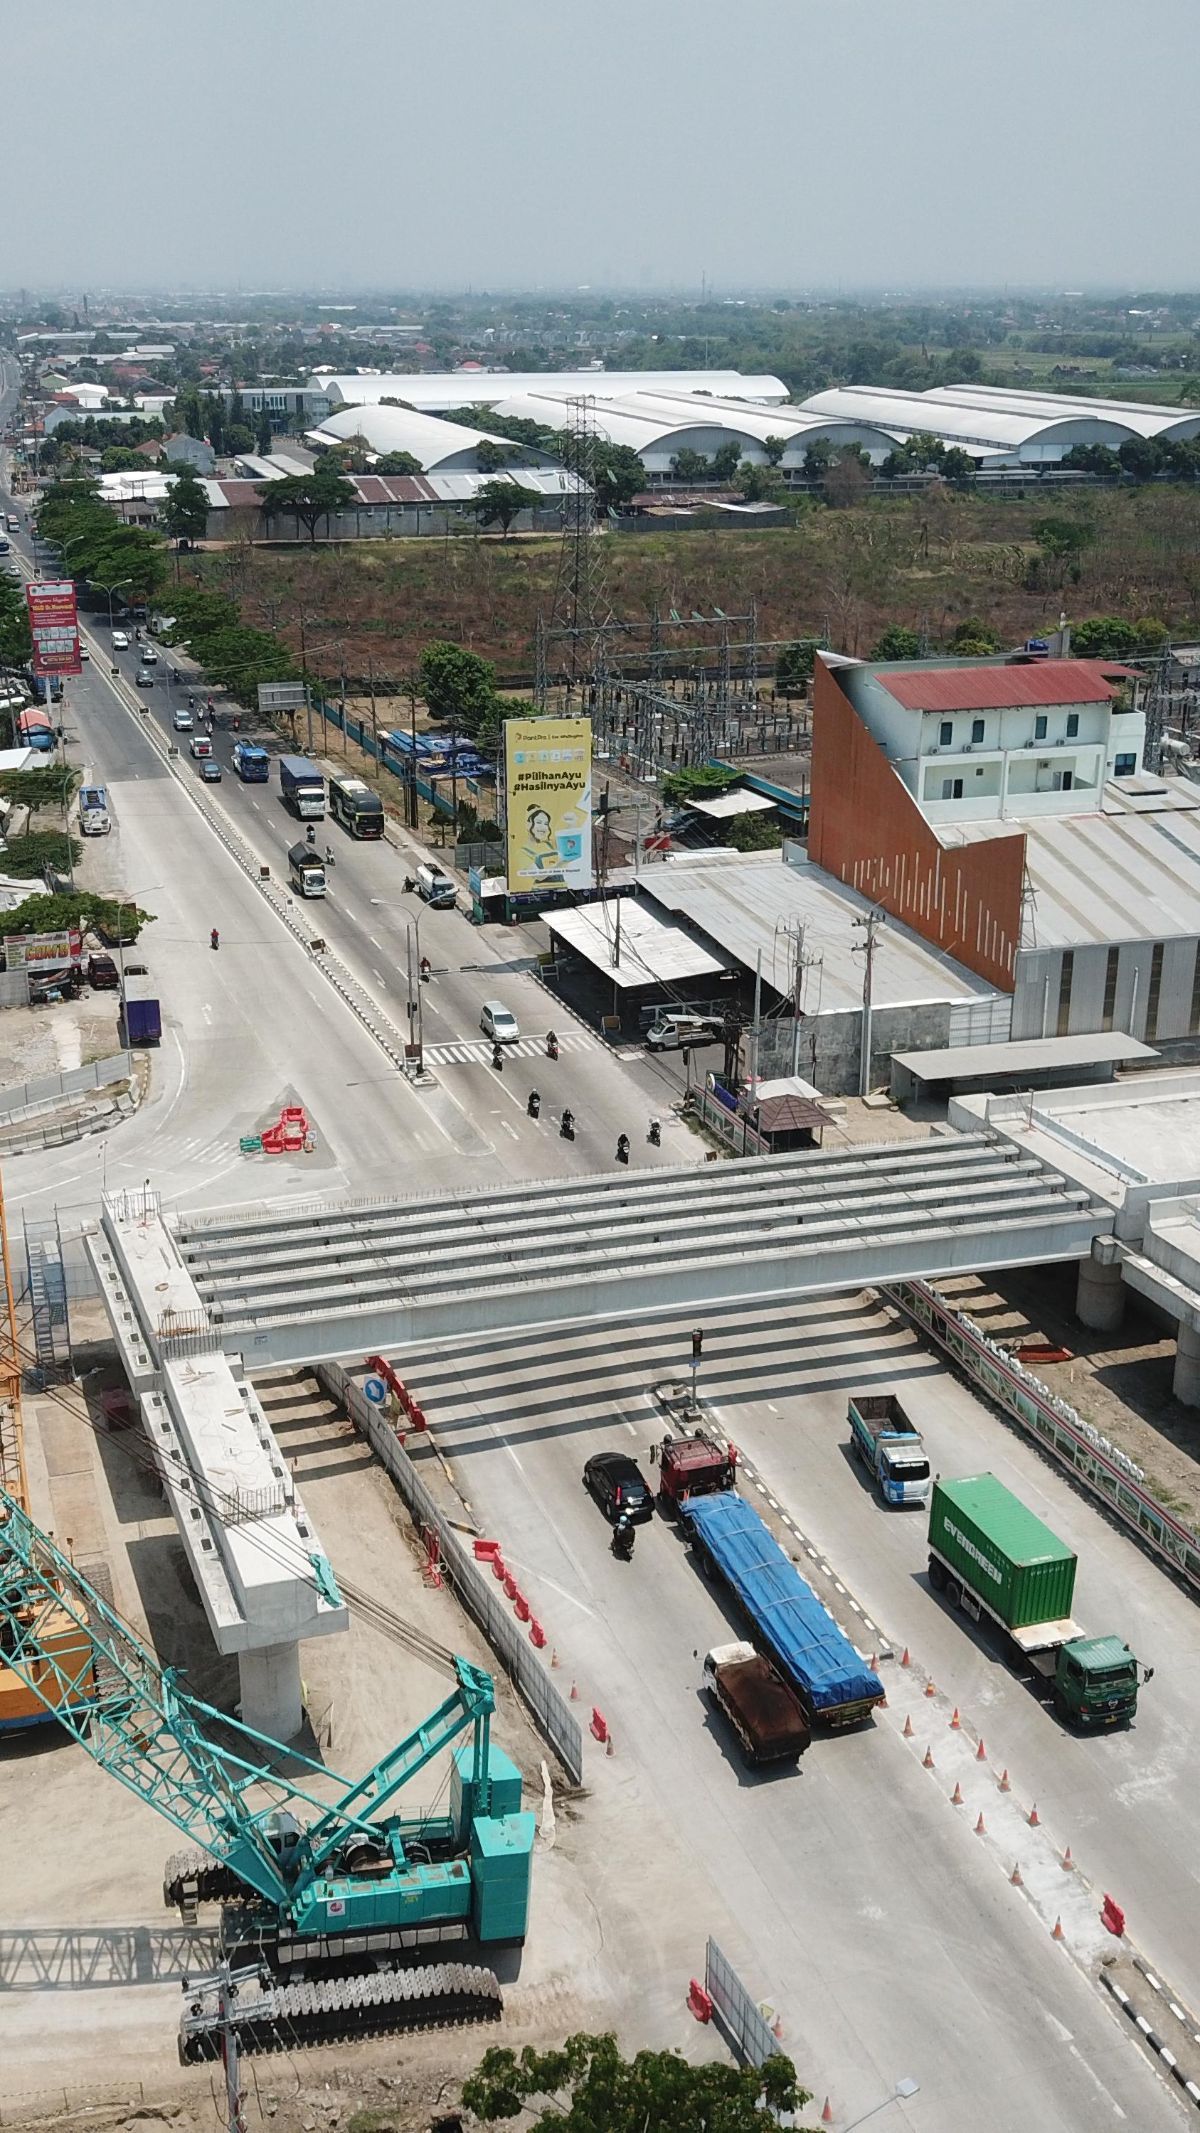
(53, 626)
(376, 1391)
(280, 696)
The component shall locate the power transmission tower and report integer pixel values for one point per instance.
(582, 613)
(1158, 704)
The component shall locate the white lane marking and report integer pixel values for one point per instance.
(510, 1129)
(207, 1012)
(375, 943)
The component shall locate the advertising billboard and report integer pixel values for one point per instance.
(54, 626)
(548, 803)
(43, 951)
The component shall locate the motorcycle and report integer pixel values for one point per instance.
(567, 1126)
(623, 1148)
(654, 1136)
(534, 1105)
(497, 1059)
(426, 969)
(214, 939)
(622, 1542)
(551, 1045)
(330, 861)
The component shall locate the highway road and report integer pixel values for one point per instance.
(863, 1907)
(254, 1025)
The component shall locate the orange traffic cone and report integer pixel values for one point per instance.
(908, 1729)
(927, 1759)
(1005, 1786)
(554, 1658)
(827, 2114)
(981, 1753)
(1058, 1933)
(904, 1658)
(929, 1689)
(956, 1798)
(955, 1722)
(1068, 1864)
(1034, 1818)
(1015, 1876)
(981, 1826)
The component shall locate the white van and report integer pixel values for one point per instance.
(676, 1032)
(436, 888)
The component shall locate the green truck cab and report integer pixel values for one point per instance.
(991, 1557)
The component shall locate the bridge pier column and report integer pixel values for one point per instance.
(1186, 1382)
(272, 1702)
(1100, 1297)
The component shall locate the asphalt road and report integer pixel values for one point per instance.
(851, 1894)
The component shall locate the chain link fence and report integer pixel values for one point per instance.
(551, 1713)
(741, 2018)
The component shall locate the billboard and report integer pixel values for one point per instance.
(548, 803)
(43, 951)
(280, 696)
(54, 626)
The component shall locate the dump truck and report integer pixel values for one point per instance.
(882, 1436)
(693, 1466)
(765, 1715)
(992, 1558)
(835, 1686)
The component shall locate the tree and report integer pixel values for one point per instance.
(500, 502)
(263, 440)
(121, 459)
(691, 466)
(774, 447)
(185, 511)
(925, 452)
(759, 484)
(214, 422)
(1141, 457)
(794, 664)
(726, 460)
(897, 643)
(239, 439)
(754, 833)
(1093, 459)
(55, 914)
(588, 2087)
(490, 457)
(1109, 637)
(700, 781)
(457, 685)
(308, 498)
(16, 644)
(818, 457)
(1062, 541)
(618, 474)
(957, 465)
(397, 463)
(973, 637)
(848, 480)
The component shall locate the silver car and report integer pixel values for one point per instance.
(497, 1023)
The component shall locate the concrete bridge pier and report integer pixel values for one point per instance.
(271, 1694)
(1100, 1296)
(1186, 1382)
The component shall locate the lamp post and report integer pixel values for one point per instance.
(110, 590)
(903, 2089)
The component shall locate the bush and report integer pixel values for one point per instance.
(698, 783)
(28, 857)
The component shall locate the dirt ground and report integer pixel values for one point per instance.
(1120, 1383)
(54, 1038)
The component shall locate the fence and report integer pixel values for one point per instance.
(551, 1713)
(741, 2018)
(1102, 1468)
(14, 988)
(21, 1096)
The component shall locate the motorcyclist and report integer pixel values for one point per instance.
(654, 1136)
(535, 1103)
(329, 855)
(426, 966)
(214, 938)
(497, 1059)
(551, 1045)
(622, 1148)
(567, 1128)
(622, 1540)
(310, 835)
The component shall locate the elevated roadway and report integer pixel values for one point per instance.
(302, 1284)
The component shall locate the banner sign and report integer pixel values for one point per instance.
(548, 803)
(43, 951)
(54, 626)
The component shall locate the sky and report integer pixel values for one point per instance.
(639, 144)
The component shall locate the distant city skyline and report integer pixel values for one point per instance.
(514, 145)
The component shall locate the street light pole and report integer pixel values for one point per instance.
(903, 2089)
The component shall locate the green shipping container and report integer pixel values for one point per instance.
(1019, 1567)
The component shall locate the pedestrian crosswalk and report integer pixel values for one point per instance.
(479, 1051)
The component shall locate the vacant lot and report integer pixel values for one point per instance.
(928, 562)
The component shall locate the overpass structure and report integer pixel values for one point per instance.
(293, 1284)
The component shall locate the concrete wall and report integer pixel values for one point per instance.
(1039, 982)
(830, 1045)
(866, 829)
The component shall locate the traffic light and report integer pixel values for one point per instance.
(697, 1342)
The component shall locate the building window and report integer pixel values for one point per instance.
(1124, 766)
(1039, 726)
(1072, 725)
(945, 733)
(952, 788)
(1066, 974)
(976, 729)
(1156, 963)
(1110, 987)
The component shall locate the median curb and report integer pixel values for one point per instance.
(1150, 2036)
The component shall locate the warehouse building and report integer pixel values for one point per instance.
(1065, 875)
(993, 436)
(440, 447)
(659, 425)
(1137, 418)
(435, 391)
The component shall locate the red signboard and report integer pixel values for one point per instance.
(54, 626)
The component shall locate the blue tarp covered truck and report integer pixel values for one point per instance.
(835, 1687)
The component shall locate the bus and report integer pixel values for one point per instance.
(253, 765)
(356, 807)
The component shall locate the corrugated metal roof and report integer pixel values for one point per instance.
(1119, 875)
(650, 950)
(1043, 681)
(1039, 1055)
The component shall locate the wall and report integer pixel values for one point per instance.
(830, 1044)
(1038, 993)
(866, 829)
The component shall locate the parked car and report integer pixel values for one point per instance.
(102, 973)
(210, 771)
(120, 640)
(497, 1023)
(199, 746)
(144, 678)
(615, 1481)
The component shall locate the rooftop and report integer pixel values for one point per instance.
(649, 950)
(1038, 1055)
(1002, 687)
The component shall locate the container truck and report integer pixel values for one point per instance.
(306, 870)
(882, 1436)
(140, 1021)
(835, 1687)
(303, 787)
(693, 1466)
(763, 1712)
(991, 1557)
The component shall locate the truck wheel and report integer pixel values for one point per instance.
(937, 1574)
(954, 1592)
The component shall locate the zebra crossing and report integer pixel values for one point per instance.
(478, 1051)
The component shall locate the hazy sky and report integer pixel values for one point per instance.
(506, 143)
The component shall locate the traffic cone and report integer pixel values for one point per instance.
(574, 1697)
(1067, 1863)
(956, 1798)
(608, 1746)
(927, 1759)
(929, 1689)
(955, 1722)
(904, 1658)
(1015, 1876)
(1034, 1818)
(827, 2114)
(1058, 1933)
(908, 1729)
(981, 1753)
(873, 1661)
(981, 1826)
(1005, 1786)
(777, 2027)
(554, 1658)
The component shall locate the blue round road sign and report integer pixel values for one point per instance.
(376, 1391)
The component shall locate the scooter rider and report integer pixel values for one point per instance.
(310, 835)
(214, 938)
(497, 1059)
(622, 1540)
(551, 1045)
(534, 1105)
(567, 1128)
(622, 1148)
(654, 1136)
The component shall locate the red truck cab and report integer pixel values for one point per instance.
(694, 1466)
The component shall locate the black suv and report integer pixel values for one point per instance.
(615, 1482)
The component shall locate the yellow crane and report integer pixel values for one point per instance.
(20, 1704)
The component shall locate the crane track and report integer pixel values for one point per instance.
(337, 2010)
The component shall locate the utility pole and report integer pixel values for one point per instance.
(225, 1982)
(866, 948)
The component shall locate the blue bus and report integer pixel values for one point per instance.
(253, 765)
